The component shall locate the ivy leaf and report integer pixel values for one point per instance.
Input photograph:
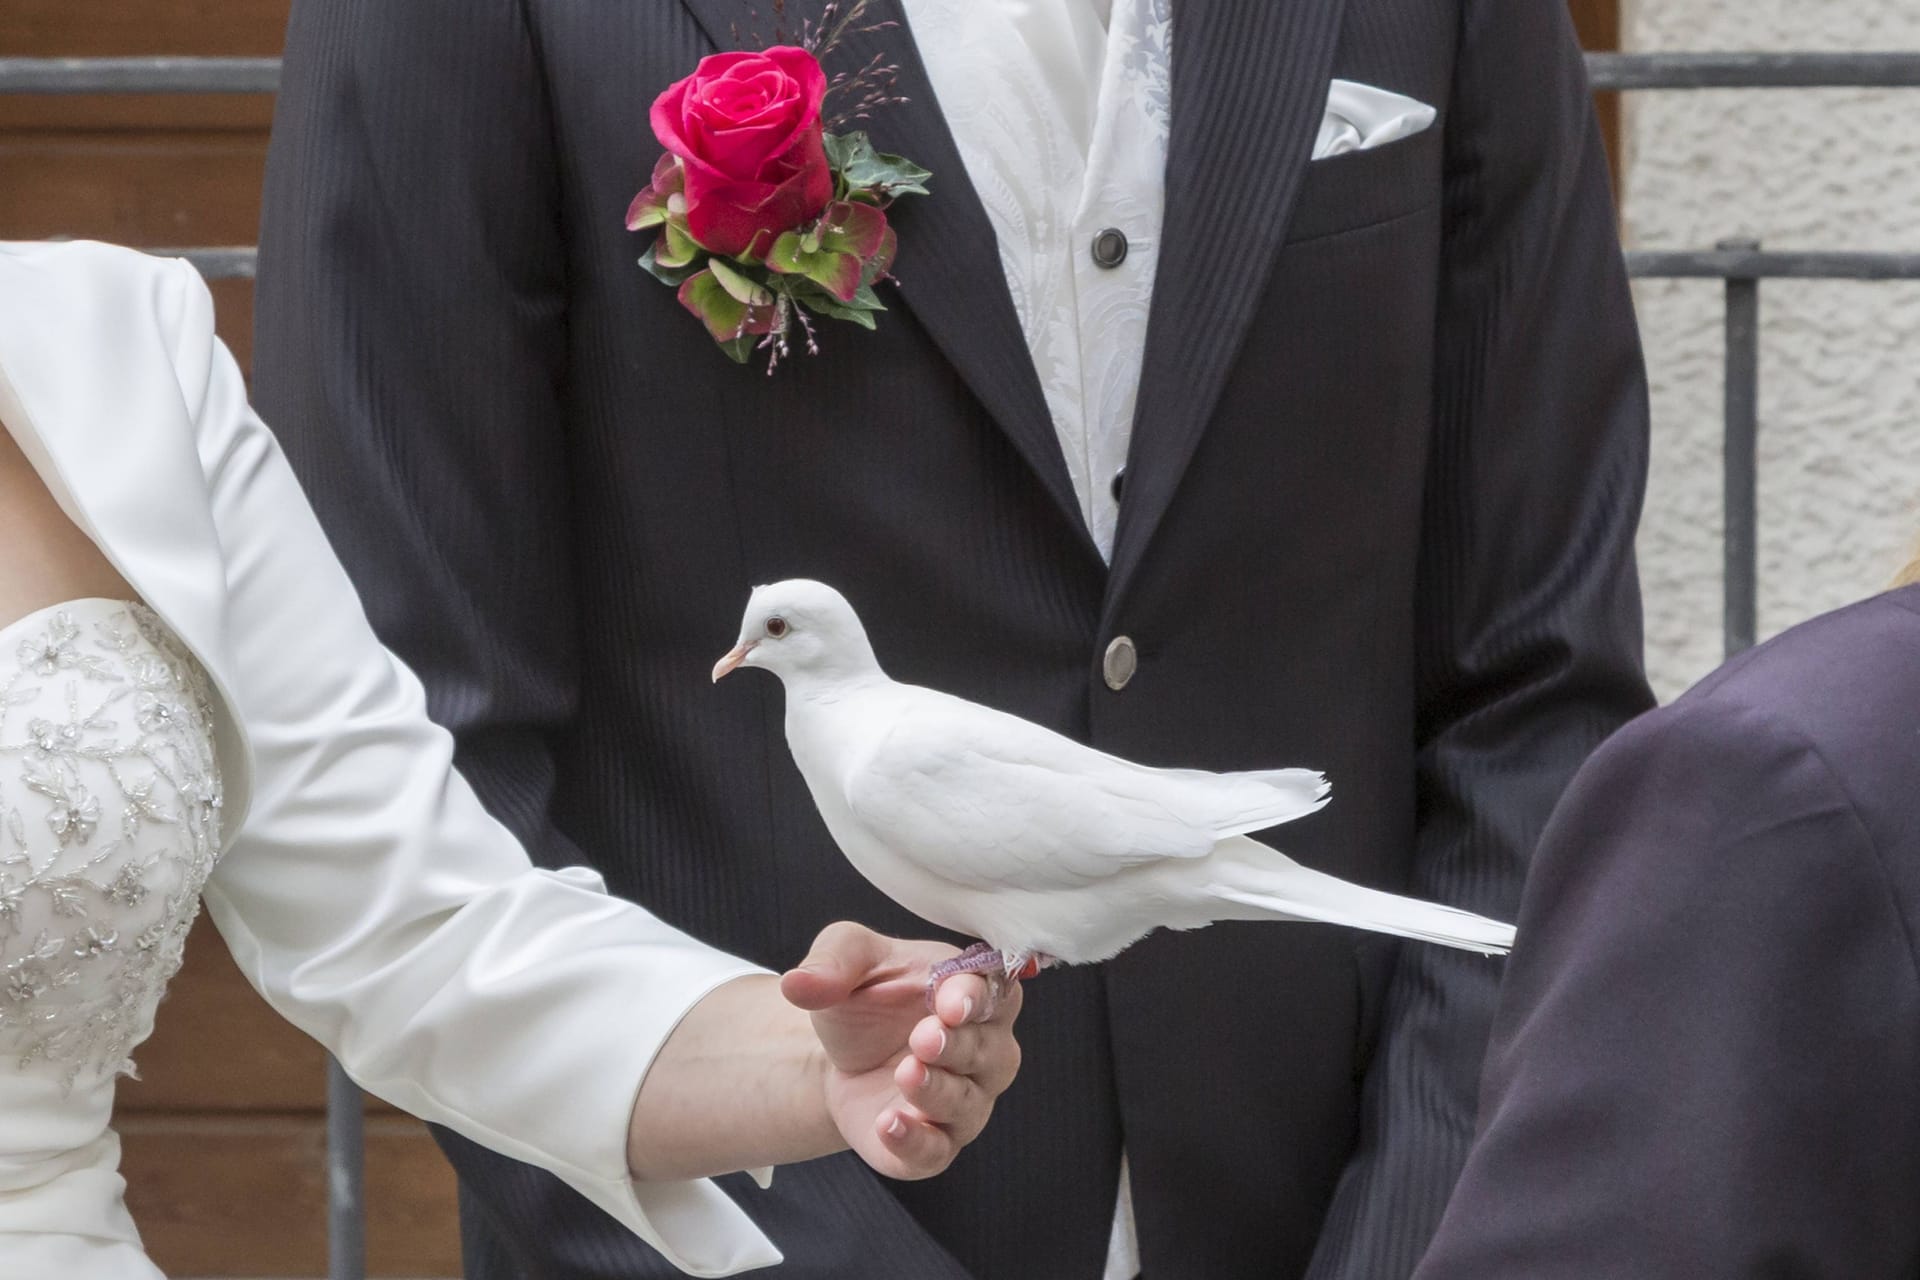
(864, 169)
(826, 305)
(840, 148)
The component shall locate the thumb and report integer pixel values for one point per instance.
(844, 958)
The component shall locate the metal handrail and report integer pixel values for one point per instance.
(139, 75)
(1608, 72)
(1616, 71)
(1739, 263)
(236, 262)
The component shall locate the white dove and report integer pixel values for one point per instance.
(1047, 850)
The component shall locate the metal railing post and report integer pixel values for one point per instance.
(346, 1178)
(1740, 521)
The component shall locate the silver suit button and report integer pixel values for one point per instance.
(1120, 663)
(1110, 248)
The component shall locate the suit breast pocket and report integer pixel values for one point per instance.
(1365, 188)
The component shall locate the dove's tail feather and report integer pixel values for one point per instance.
(1278, 887)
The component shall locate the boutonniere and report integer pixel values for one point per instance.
(768, 215)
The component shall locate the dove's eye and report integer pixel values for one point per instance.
(776, 627)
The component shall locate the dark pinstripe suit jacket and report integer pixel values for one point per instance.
(1379, 513)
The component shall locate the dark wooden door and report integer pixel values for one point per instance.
(1599, 25)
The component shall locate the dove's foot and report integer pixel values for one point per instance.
(978, 958)
(1011, 966)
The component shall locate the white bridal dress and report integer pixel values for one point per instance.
(109, 825)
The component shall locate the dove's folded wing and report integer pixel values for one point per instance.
(1234, 804)
(984, 799)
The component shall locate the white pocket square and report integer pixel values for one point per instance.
(1360, 117)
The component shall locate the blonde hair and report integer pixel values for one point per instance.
(1910, 575)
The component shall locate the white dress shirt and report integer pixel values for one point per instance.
(1060, 110)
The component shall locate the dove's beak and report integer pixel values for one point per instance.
(735, 656)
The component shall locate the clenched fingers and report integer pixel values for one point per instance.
(912, 1146)
(956, 1103)
(986, 1053)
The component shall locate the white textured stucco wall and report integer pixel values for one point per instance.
(1840, 363)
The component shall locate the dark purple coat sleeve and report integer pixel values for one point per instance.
(1707, 1059)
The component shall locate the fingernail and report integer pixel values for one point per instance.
(966, 1008)
(941, 1052)
(898, 1128)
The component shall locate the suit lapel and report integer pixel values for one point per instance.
(950, 269)
(1249, 88)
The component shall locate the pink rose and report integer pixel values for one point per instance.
(746, 127)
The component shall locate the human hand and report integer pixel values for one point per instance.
(906, 1089)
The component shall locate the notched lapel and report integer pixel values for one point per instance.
(951, 278)
(1250, 84)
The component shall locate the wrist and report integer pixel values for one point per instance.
(815, 1076)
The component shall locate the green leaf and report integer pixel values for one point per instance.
(641, 216)
(739, 350)
(858, 229)
(862, 168)
(675, 248)
(837, 273)
(840, 147)
(674, 276)
(826, 305)
(728, 319)
(787, 254)
(745, 290)
(881, 262)
(656, 200)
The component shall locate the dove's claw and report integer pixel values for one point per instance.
(998, 968)
(1026, 964)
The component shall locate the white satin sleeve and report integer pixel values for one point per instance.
(375, 904)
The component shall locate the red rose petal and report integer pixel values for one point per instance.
(747, 126)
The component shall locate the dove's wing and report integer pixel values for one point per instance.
(984, 799)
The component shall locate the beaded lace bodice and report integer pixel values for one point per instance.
(109, 826)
